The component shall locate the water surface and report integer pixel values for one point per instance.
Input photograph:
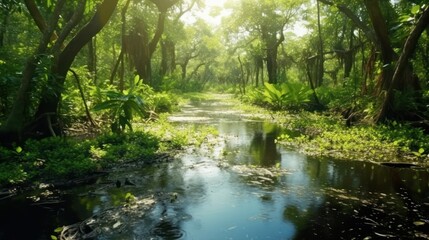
(242, 187)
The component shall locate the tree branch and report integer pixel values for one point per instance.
(38, 18)
(97, 22)
(74, 20)
(355, 19)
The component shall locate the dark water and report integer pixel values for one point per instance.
(208, 193)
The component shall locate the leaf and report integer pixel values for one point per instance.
(18, 149)
(109, 104)
(136, 80)
(421, 150)
(114, 94)
(415, 9)
(53, 237)
(419, 223)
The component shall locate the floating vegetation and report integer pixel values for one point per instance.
(108, 221)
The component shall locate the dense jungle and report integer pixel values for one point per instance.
(205, 119)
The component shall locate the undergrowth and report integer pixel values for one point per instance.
(316, 134)
(57, 158)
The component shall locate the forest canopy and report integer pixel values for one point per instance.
(61, 61)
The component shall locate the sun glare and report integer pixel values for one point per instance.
(215, 10)
(218, 3)
(207, 14)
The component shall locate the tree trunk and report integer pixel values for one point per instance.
(141, 49)
(184, 66)
(272, 64)
(321, 58)
(259, 66)
(381, 30)
(242, 80)
(272, 44)
(401, 72)
(120, 59)
(13, 128)
(168, 56)
(3, 27)
(50, 100)
(92, 60)
(349, 56)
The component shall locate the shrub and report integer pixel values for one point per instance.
(291, 96)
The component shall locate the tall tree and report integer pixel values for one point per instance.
(396, 72)
(19, 124)
(320, 50)
(140, 46)
(266, 20)
(402, 67)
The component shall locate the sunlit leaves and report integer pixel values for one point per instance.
(18, 149)
(287, 95)
(122, 107)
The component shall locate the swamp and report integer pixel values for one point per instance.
(205, 119)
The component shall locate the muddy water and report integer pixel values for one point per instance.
(242, 187)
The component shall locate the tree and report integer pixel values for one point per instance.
(173, 34)
(140, 46)
(7, 7)
(266, 20)
(397, 74)
(401, 72)
(44, 120)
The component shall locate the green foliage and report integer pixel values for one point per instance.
(52, 158)
(291, 96)
(47, 159)
(114, 147)
(56, 158)
(327, 136)
(123, 107)
(12, 173)
(405, 101)
(129, 197)
(175, 137)
(254, 96)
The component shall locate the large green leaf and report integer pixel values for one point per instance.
(109, 104)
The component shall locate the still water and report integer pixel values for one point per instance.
(242, 187)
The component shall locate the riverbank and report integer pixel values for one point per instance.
(74, 160)
(311, 133)
(326, 134)
(242, 173)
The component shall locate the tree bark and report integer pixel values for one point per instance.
(50, 99)
(3, 27)
(381, 30)
(141, 49)
(355, 19)
(321, 58)
(120, 60)
(401, 66)
(272, 44)
(13, 128)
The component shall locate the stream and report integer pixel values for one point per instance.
(242, 186)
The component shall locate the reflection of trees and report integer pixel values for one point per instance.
(263, 148)
(358, 199)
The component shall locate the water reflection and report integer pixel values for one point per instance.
(198, 198)
(251, 143)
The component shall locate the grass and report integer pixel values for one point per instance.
(53, 159)
(317, 134)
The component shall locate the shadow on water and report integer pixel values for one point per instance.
(244, 187)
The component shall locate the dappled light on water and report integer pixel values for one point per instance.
(241, 185)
